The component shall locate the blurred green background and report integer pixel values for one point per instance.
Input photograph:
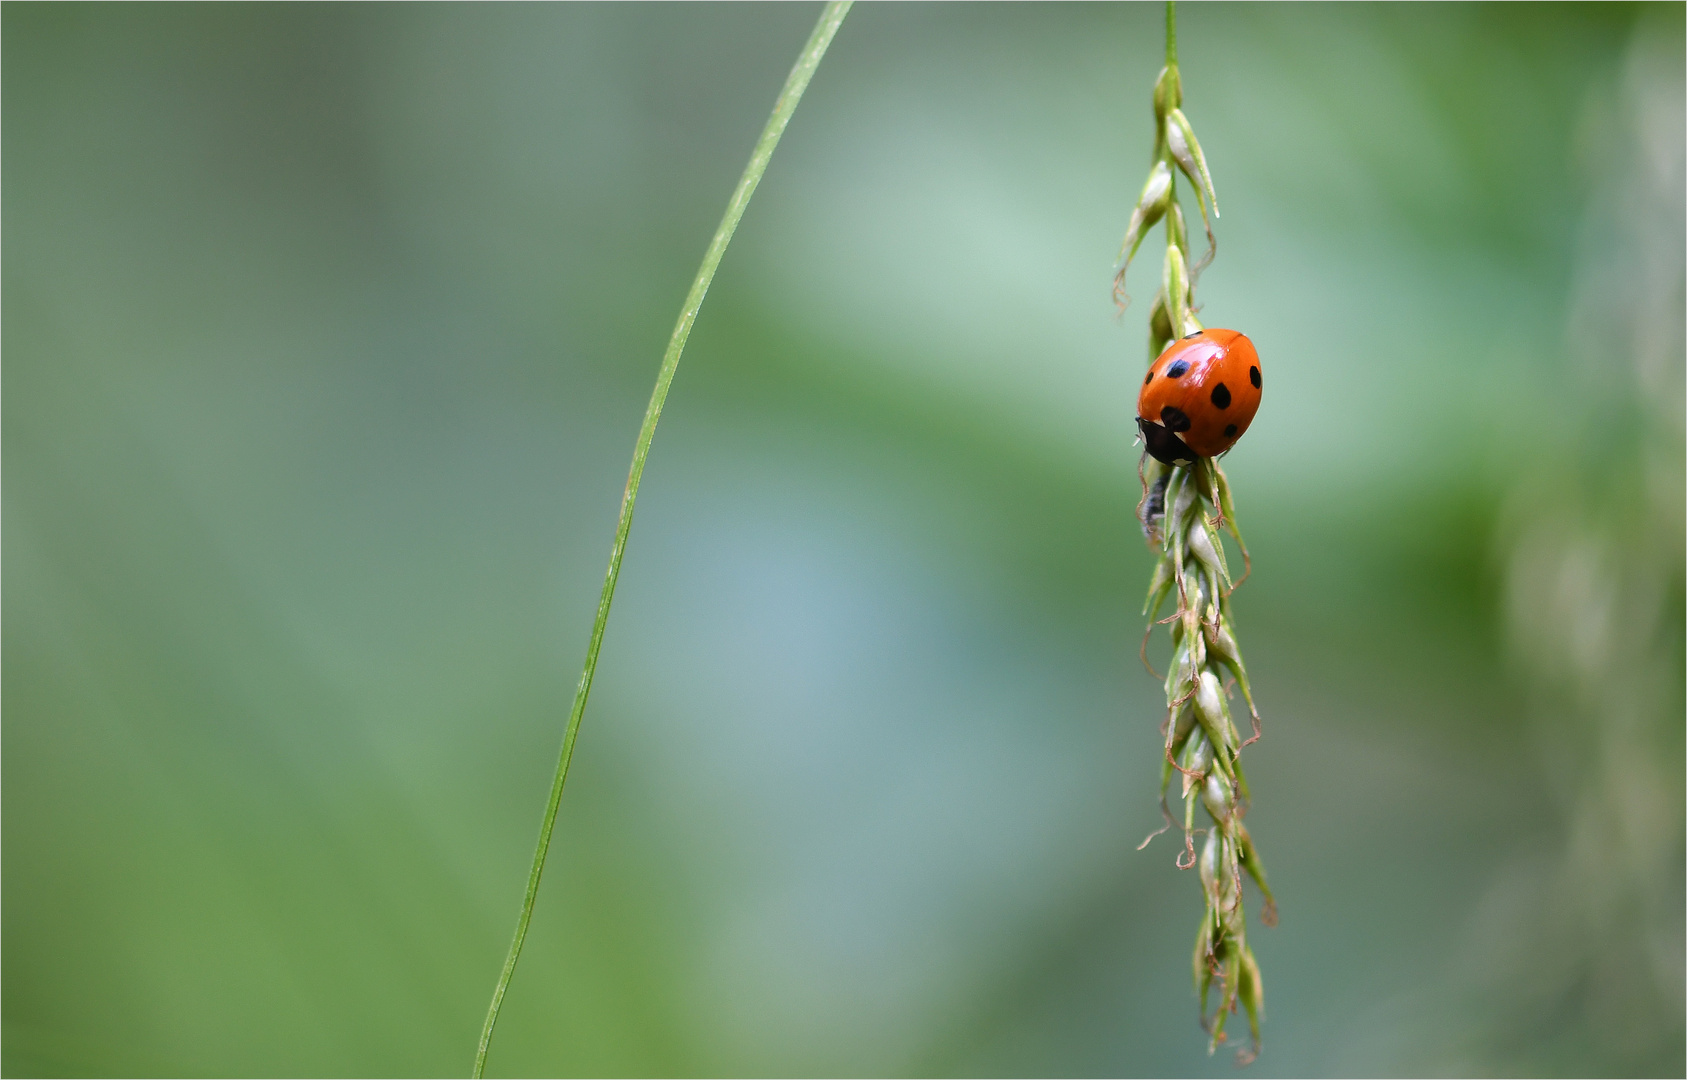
(327, 332)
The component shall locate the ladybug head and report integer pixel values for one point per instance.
(1163, 443)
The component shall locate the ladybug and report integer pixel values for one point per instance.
(1199, 396)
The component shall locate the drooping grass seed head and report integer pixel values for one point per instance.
(1186, 417)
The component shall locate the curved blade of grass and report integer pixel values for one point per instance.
(807, 61)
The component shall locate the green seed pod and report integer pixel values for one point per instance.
(1196, 761)
(1180, 496)
(1213, 525)
(1229, 970)
(1182, 723)
(1186, 150)
(1225, 950)
(1189, 621)
(1195, 590)
(1150, 208)
(1197, 645)
(1168, 93)
(1182, 674)
(1241, 675)
(1203, 546)
(1208, 868)
(1189, 625)
(1250, 990)
(1227, 507)
(1209, 706)
(1177, 233)
(1203, 966)
(1159, 326)
(1158, 586)
(1256, 870)
(1218, 797)
(1175, 277)
(1221, 642)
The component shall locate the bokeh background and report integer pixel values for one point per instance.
(327, 333)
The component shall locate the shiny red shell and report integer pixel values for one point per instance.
(1200, 396)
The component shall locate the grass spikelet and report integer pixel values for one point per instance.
(1184, 511)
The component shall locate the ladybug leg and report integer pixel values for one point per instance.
(1209, 474)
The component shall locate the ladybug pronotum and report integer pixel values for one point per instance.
(1199, 396)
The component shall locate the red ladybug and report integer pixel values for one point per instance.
(1199, 396)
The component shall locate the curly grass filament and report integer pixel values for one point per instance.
(807, 61)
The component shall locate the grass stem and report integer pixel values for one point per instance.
(809, 59)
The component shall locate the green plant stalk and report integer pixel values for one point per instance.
(807, 62)
(1183, 510)
(1202, 742)
(1171, 33)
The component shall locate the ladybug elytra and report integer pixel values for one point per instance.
(1199, 396)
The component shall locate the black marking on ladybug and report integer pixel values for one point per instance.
(1174, 418)
(1177, 369)
(1147, 378)
(1221, 396)
(1229, 430)
(1253, 376)
(1164, 445)
(1197, 333)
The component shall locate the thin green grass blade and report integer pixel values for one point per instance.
(807, 61)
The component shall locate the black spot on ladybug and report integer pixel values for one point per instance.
(1229, 430)
(1221, 396)
(1178, 368)
(1147, 378)
(1253, 376)
(1174, 418)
